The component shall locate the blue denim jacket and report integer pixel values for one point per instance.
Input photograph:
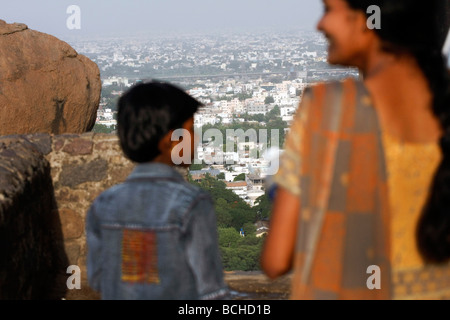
(154, 237)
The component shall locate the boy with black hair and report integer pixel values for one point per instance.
(154, 236)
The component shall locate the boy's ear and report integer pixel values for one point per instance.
(166, 143)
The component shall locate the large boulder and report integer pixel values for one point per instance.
(45, 85)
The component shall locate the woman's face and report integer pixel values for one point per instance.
(346, 31)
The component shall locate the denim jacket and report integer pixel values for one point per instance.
(154, 237)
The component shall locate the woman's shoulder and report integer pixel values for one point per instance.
(335, 86)
(332, 94)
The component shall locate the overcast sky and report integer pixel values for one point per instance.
(111, 17)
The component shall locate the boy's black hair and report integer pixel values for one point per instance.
(147, 112)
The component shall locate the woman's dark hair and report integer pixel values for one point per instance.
(147, 112)
(419, 28)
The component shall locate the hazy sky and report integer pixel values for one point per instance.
(110, 17)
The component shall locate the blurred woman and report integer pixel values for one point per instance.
(362, 209)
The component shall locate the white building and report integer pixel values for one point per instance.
(117, 81)
(252, 195)
(257, 109)
(201, 119)
(287, 110)
(238, 187)
(107, 123)
(107, 114)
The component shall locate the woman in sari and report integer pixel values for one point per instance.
(362, 208)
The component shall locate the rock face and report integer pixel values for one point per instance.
(33, 261)
(45, 85)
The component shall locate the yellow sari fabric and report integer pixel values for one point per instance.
(378, 188)
(410, 169)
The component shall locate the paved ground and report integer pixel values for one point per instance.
(256, 286)
(244, 286)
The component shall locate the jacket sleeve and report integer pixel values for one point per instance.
(93, 238)
(202, 250)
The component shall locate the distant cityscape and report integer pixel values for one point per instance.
(240, 79)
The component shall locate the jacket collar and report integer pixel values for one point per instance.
(155, 170)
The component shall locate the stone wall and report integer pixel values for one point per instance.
(71, 171)
(82, 166)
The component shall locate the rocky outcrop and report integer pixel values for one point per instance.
(33, 261)
(45, 85)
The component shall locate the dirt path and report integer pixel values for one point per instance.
(253, 285)
(244, 285)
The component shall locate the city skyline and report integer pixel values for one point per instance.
(134, 17)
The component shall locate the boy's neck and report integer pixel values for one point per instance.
(161, 158)
(167, 161)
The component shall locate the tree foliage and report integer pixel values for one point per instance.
(240, 253)
(101, 128)
(233, 213)
(271, 120)
(269, 100)
(240, 177)
(263, 206)
(198, 166)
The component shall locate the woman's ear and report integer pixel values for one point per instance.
(367, 35)
(359, 19)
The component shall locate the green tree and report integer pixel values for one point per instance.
(263, 206)
(245, 258)
(269, 100)
(233, 213)
(273, 114)
(101, 128)
(249, 229)
(251, 240)
(240, 177)
(224, 218)
(112, 103)
(279, 125)
(200, 166)
(228, 237)
(257, 117)
(243, 96)
(240, 215)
